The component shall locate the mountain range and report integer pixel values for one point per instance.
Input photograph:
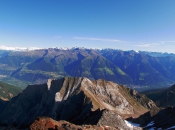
(134, 69)
(80, 103)
(86, 89)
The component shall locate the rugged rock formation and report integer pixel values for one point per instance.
(77, 100)
(48, 123)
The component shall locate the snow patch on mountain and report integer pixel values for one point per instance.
(10, 48)
(131, 126)
(173, 127)
(13, 48)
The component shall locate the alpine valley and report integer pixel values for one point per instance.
(139, 70)
(86, 89)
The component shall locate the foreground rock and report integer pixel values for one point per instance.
(79, 101)
(48, 123)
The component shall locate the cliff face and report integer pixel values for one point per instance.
(77, 100)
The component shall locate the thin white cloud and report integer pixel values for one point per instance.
(149, 44)
(144, 45)
(98, 39)
(136, 44)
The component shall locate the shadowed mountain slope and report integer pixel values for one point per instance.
(164, 120)
(163, 98)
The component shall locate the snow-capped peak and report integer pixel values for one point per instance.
(10, 48)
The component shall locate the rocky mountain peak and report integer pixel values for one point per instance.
(78, 100)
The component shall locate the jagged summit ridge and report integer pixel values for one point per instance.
(77, 100)
(16, 48)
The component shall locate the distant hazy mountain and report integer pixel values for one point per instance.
(9, 48)
(157, 54)
(124, 67)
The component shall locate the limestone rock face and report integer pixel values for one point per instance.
(77, 100)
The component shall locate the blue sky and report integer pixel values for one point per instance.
(121, 24)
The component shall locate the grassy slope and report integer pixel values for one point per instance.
(8, 91)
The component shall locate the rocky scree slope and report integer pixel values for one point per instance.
(79, 101)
